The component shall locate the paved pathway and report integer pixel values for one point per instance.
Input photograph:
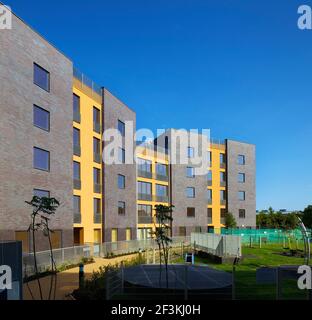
(68, 280)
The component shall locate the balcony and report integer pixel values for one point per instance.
(161, 177)
(145, 174)
(77, 217)
(209, 220)
(97, 127)
(209, 182)
(145, 196)
(222, 202)
(145, 219)
(96, 157)
(77, 150)
(97, 218)
(77, 117)
(161, 198)
(77, 184)
(97, 188)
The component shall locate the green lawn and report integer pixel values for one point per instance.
(245, 276)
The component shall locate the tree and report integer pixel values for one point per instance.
(163, 219)
(42, 208)
(230, 221)
(307, 216)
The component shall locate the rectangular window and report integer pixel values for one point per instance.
(41, 193)
(76, 170)
(121, 208)
(209, 194)
(209, 212)
(41, 77)
(122, 128)
(242, 213)
(190, 172)
(190, 192)
(121, 155)
(209, 175)
(144, 188)
(241, 195)
(190, 152)
(241, 177)
(77, 204)
(76, 137)
(41, 159)
(144, 210)
(222, 158)
(76, 108)
(209, 157)
(144, 165)
(222, 177)
(121, 181)
(41, 118)
(96, 176)
(161, 169)
(96, 145)
(241, 159)
(222, 195)
(96, 206)
(190, 212)
(96, 115)
(161, 190)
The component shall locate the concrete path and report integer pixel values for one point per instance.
(68, 280)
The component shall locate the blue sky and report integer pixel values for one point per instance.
(241, 68)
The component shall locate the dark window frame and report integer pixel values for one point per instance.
(41, 190)
(49, 159)
(49, 77)
(49, 118)
(124, 181)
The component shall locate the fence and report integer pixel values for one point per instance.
(216, 244)
(73, 255)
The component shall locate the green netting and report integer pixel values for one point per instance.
(266, 235)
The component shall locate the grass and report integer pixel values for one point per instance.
(246, 286)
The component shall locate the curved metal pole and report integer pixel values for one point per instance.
(307, 250)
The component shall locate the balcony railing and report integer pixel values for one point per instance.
(209, 182)
(97, 127)
(77, 217)
(145, 174)
(145, 219)
(222, 202)
(144, 196)
(96, 157)
(161, 198)
(97, 218)
(161, 177)
(77, 150)
(77, 184)
(77, 117)
(97, 188)
(209, 220)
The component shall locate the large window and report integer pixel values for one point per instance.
(161, 169)
(121, 181)
(122, 128)
(41, 118)
(76, 137)
(41, 193)
(121, 208)
(190, 192)
(161, 191)
(77, 204)
(41, 77)
(144, 165)
(96, 176)
(96, 145)
(190, 172)
(76, 170)
(96, 119)
(41, 159)
(241, 195)
(241, 177)
(76, 108)
(96, 206)
(241, 159)
(144, 210)
(144, 191)
(190, 212)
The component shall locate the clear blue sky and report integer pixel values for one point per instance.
(240, 68)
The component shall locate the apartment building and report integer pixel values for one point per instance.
(51, 144)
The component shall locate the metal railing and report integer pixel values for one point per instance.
(161, 198)
(145, 174)
(77, 184)
(161, 177)
(145, 219)
(85, 81)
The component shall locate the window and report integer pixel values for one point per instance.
(190, 192)
(41, 193)
(209, 212)
(41, 77)
(209, 194)
(242, 213)
(96, 206)
(96, 176)
(76, 170)
(161, 191)
(241, 177)
(96, 145)
(76, 137)
(190, 152)
(96, 115)
(41, 118)
(77, 204)
(76, 108)
(190, 212)
(144, 210)
(121, 208)
(161, 169)
(241, 195)
(144, 165)
(121, 155)
(209, 175)
(241, 159)
(121, 128)
(222, 158)
(222, 195)
(190, 172)
(210, 157)
(41, 159)
(222, 177)
(121, 181)
(144, 188)
(128, 234)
